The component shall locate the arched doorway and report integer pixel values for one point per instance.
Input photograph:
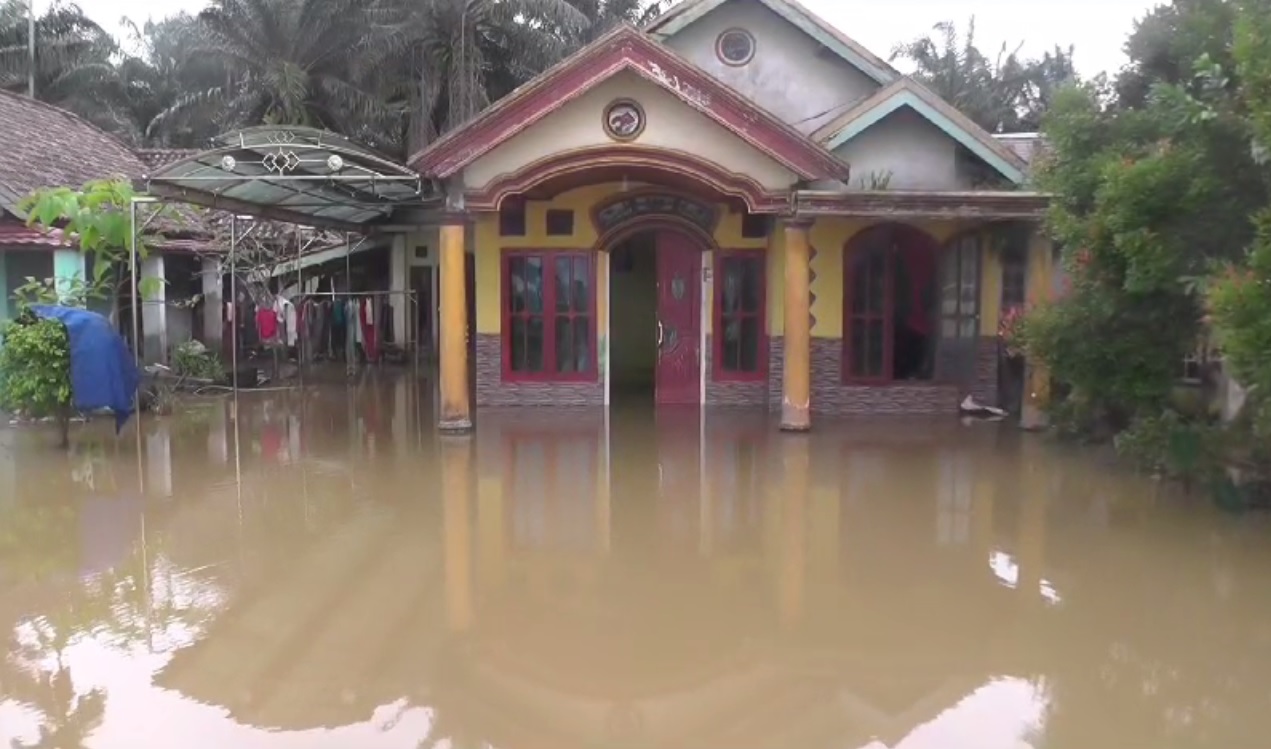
(656, 336)
(890, 305)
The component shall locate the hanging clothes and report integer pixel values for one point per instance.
(369, 341)
(266, 324)
(287, 317)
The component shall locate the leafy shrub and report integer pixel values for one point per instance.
(193, 359)
(35, 369)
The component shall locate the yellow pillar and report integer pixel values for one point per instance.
(456, 414)
(456, 477)
(794, 532)
(1040, 285)
(796, 377)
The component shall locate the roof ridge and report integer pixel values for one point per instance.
(884, 67)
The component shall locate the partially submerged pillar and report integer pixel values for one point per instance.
(213, 304)
(796, 382)
(68, 268)
(456, 408)
(154, 310)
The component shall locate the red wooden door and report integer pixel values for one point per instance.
(679, 264)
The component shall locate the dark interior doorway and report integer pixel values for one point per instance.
(633, 322)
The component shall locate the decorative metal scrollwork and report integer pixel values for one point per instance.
(281, 161)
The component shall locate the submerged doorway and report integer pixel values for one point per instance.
(655, 319)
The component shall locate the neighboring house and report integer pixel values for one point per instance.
(744, 207)
(49, 147)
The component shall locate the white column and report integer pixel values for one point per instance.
(399, 281)
(154, 311)
(213, 304)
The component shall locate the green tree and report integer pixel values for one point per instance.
(72, 58)
(288, 62)
(1151, 193)
(164, 69)
(1007, 93)
(1239, 295)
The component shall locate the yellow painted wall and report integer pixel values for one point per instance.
(829, 235)
(489, 245)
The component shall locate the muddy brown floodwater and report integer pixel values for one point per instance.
(322, 570)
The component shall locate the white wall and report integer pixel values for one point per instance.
(791, 74)
(919, 155)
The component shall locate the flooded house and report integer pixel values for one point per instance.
(735, 206)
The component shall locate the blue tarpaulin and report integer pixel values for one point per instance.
(103, 374)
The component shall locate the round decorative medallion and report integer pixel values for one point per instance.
(735, 47)
(678, 287)
(624, 119)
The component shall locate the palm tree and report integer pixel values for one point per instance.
(457, 56)
(150, 82)
(294, 62)
(1005, 94)
(72, 56)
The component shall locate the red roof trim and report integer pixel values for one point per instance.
(621, 50)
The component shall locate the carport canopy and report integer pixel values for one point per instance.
(294, 174)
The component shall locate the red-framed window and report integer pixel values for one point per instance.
(549, 315)
(740, 321)
(867, 322)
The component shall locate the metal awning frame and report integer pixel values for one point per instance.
(293, 174)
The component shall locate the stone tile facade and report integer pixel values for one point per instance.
(493, 391)
(735, 394)
(829, 394)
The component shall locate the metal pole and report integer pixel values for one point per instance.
(30, 40)
(300, 290)
(132, 276)
(234, 321)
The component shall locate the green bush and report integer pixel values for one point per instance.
(35, 370)
(193, 359)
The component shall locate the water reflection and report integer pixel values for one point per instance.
(318, 569)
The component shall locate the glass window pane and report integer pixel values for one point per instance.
(967, 327)
(874, 358)
(564, 346)
(749, 345)
(752, 284)
(877, 282)
(731, 353)
(532, 277)
(517, 334)
(534, 345)
(949, 283)
(516, 284)
(730, 292)
(527, 344)
(582, 285)
(857, 365)
(582, 344)
(562, 279)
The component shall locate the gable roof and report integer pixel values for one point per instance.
(45, 146)
(906, 92)
(685, 13)
(627, 49)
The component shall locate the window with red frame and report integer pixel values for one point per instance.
(740, 343)
(548, 316)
